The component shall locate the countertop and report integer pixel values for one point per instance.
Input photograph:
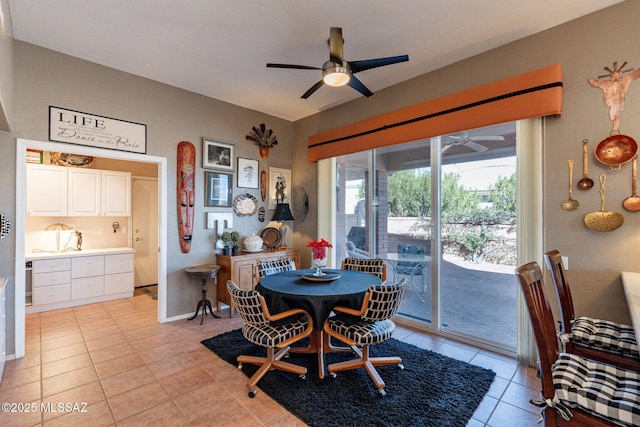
(31, 256)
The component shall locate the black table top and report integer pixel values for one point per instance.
(288, 290)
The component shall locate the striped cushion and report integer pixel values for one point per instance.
(269, 267)
(598, 388)
(605, 335)
(371, 266)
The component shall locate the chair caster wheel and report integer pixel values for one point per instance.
(333, 374)
(252, 393)
(240, 366)
(401, 366)
(303, 377)
(381, 392)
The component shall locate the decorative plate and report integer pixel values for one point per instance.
(270, 237)
(252, 252)
(73, 160)
(245, 205)
(328, 277)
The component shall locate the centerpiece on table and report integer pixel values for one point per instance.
(319, 252)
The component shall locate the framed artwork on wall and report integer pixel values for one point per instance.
(218, 155)
(247, 173)
(218, 188)
(279, 186)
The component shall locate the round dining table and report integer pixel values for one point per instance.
(317, 296)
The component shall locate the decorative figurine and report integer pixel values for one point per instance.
(614, 90)
(264, 138)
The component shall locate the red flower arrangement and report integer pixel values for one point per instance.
(319, 248)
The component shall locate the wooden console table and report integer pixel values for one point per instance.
(242, 270)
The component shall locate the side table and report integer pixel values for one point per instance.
(203, 272)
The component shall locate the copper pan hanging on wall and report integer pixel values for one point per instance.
(616, 150)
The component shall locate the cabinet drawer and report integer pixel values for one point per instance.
(51, 294)
(48, 265)
(118, 263)
(48, 279)
(116, 283)
(87, 266)
(87, 287)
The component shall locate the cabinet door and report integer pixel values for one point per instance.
(51, 294)
(117, 283)
(87, 287)
(116, 193)
(84, 192)
(245, 273)
(118, 263)
(46, 190)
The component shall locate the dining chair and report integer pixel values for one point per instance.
(575, 390)
(597, 339)
(410, 268)
(364, 327)
(270, 331)
(273, 266)
(377, 267)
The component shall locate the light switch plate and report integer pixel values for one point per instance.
(565, 262)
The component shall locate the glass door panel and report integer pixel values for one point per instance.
(478, 217)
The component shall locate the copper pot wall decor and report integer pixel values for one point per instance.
(616, 150)
(264, 138)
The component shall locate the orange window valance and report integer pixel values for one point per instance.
(534, 94)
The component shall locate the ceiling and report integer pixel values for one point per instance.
(219, 48)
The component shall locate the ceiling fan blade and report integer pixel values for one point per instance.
(486, 138)
(475, 146)
(336, 44)
(357, 85)
(312, 89)
(296, 67)
(445, 148)
(367, 64)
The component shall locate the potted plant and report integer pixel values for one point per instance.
(230, 240)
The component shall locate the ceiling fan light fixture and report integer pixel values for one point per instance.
(336, 75)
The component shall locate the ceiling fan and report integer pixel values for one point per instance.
(470, 141)
(339, 72)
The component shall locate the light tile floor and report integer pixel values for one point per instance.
(130, 370)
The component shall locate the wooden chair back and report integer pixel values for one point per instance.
(561, 286)
(532, 284)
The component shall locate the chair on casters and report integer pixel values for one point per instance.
(377, 267)
(270, 331)
(372, 325)
(575, 390)
(269, 267)
(596, 339)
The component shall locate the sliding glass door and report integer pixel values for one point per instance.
(441, 213)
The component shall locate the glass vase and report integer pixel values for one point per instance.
(319, 259)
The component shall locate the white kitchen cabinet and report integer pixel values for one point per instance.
(84, 190)
(46, 190)
(116, 193)
(81, 278)
(62, 191)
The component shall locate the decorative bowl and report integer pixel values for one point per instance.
(616, 150)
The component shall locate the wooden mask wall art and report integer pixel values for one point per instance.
(185, 193)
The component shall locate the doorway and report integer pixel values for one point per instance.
(21, 149)
(144, 226)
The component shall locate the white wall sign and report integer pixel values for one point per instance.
(79, 128)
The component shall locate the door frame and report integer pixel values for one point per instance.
(21, 173)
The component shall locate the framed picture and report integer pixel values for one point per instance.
(218, 188)
(248, 173)
(218, 155)
(279, 186)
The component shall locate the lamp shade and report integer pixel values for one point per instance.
(282, 213)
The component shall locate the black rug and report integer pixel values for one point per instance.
(432, 390)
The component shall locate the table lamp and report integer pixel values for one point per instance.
(282, 214)
(57, 227)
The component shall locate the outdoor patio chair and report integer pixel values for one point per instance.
(354, 252)
(377, 267)
(412, 269)
(270, 331)
(269, 267)
(371, 325)
(575, 390)
(596, 339)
